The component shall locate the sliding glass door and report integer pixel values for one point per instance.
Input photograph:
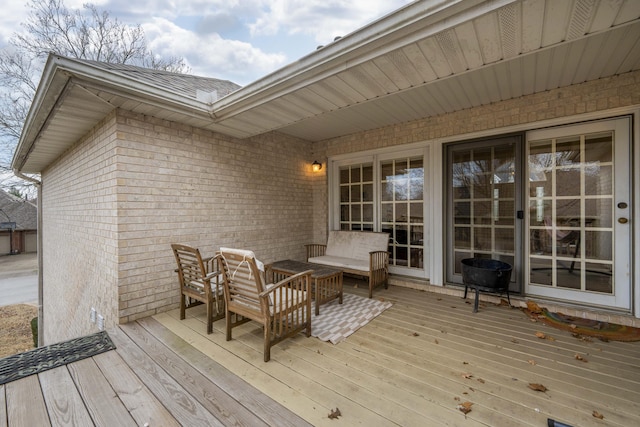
(555, 204)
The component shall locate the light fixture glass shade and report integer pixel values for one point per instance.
(316, 166)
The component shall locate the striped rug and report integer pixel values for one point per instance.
(337, 321)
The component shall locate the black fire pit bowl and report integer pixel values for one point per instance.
(488, 275)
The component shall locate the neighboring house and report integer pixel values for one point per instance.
(18, 225)
(475, 128)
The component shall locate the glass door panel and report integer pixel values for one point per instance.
(576, 175)
(356, 197)
(575, 229)
(402, 210)
(482, 203)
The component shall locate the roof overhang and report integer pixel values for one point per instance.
(426, 59)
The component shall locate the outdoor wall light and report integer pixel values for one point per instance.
(316, 166)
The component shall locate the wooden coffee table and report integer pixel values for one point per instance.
(326, 282)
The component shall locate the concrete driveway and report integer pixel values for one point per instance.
(18, 279)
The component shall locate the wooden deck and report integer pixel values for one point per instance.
(411, 366)
(147, 381)
(414, 364)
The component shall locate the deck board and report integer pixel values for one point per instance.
(174, 397)
(228, 410)
(26, 390)
(249, 365)
(101, 400)
(3, 407)
(64, 403)
(143, 406)
(259, 403)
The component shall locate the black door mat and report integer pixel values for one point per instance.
(44, 358)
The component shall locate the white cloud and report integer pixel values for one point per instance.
(13, 13)
(210, 54)
(321, 19)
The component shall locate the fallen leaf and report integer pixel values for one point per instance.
(537, 387)
(533, 307)
(572, 326)
(335, 414)
(465, 392)
(597, 415)
(415, 334)
(480, 380)
(465, 363)
(580, 358)
(467, 376)
(465, 407)
(532, 362)
(544, 336)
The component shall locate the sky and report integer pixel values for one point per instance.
(237, 40)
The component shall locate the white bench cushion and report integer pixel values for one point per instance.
(342, 262)
(355, 244)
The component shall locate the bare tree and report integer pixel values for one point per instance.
(84, 34)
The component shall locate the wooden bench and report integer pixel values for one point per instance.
(362, 253)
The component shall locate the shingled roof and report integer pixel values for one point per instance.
(184, 84)
(20, 211)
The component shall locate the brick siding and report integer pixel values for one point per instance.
(116, 201)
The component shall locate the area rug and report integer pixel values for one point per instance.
(578, 326)
(337, 321)
(44, 358)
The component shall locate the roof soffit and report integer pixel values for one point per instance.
(425, 59)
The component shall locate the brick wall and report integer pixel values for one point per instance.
(80, 236)
(116, 201)
(186, 185)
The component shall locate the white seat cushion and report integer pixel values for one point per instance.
(342, 262)
(355, 244)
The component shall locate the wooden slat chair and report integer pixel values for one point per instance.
(283, 309)
(200, 280)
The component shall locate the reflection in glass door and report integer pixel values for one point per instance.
(482, 203)
(402, 205)
(356, 197)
